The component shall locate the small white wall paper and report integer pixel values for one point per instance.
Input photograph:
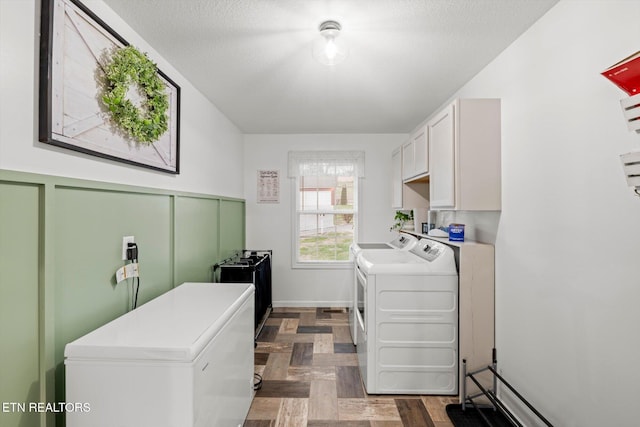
(268, 186)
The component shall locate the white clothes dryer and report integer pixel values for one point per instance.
(407, 316)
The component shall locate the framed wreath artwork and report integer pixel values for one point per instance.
(101, 96)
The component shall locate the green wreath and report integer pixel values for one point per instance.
(127, 67)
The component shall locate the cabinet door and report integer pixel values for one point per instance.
(407, 160)
(420, 152)
(396, 178)
(442, 150)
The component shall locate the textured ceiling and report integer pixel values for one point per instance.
(252, 58)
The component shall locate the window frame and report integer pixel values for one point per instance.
(297, 211)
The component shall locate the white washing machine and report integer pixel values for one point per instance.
(407, 317)
(402, 242)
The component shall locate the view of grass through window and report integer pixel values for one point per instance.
(327, 245)
(326, 218)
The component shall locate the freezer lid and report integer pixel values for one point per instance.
(175, 326)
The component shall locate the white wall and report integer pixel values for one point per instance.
(210, 145)
(568, 240)
(269, 225)
(568, 237)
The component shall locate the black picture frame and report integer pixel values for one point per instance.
(71, 114)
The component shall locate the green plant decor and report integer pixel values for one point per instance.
(399, 220)
(129, 68)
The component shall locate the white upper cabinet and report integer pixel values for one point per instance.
(464, 148)
(421, 152)
(441, 135)
(407, 160)
(396, 178)
(415, 156)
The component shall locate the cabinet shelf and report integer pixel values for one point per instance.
(418, 179)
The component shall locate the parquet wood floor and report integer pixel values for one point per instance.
(311, 378)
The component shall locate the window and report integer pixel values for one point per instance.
(325, 205)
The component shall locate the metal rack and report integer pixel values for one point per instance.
(250, 266)
(491, 394)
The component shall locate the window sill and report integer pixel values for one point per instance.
(320, 265)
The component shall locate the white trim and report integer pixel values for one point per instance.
(322, 265)
(341, 304)
(355, 162)
(326, 211)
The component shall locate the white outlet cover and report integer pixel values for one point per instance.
(125, 241)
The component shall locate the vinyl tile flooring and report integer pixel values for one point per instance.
(311, 378)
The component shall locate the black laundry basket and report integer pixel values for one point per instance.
(251, 266)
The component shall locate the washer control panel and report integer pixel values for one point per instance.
(403, 240)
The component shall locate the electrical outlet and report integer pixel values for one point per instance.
(125, 241)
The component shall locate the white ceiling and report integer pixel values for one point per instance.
(252, 58)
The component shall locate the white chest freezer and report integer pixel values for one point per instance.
(183, 359)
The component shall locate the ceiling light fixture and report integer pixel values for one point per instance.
(330, 50)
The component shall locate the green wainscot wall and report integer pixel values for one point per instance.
(60, 245)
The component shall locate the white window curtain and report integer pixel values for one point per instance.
(336, 163)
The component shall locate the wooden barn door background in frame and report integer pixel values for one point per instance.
(75, 47)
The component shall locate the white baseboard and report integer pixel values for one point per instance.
(312, 303)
